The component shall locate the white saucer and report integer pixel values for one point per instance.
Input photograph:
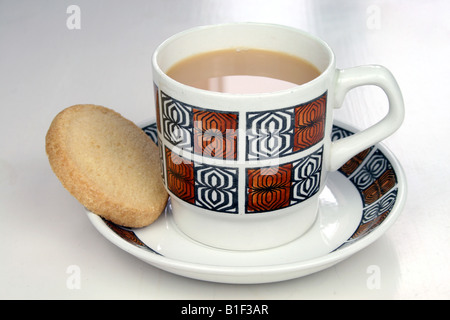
(359, 203)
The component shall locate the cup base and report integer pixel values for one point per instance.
(246, 232)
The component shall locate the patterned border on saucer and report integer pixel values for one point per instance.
(370, 172)
(128, 235)
(374, 177)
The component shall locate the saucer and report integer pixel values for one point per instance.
(359, 203)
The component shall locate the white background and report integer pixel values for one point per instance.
(45, 67)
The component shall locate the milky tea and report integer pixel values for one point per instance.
(243, 71)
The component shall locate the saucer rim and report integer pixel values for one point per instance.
(279, 272)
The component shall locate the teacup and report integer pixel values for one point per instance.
(253, 198)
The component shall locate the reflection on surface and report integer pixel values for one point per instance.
(328, 227)
(247, 84)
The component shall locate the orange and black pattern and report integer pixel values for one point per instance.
(205, 186)
(374, 177)
(180, 176)
(215, 134)
(205, 132)
(379, 187)
(278, 187)
(366, 228)
(309, 123)
(280, 133)
(351, 165)
(269, 188)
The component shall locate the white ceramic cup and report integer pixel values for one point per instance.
(253, 197)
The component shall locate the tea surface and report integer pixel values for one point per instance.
(243, 71)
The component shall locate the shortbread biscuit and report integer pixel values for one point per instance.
(108, 164)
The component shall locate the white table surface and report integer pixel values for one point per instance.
(45, 67)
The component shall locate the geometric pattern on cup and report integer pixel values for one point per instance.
(215, 134)
(277, 187)
(216, 188)
(268, 188)
(309, 123)
(269, 134)
(283, 132)
(205, 186)
(180, 176)
(202, 131)
(176, 122)
(306, 177)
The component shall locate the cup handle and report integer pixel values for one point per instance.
(344, 149)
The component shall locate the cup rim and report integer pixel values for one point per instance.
(155, 65)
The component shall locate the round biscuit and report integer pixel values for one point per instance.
(108, 164)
